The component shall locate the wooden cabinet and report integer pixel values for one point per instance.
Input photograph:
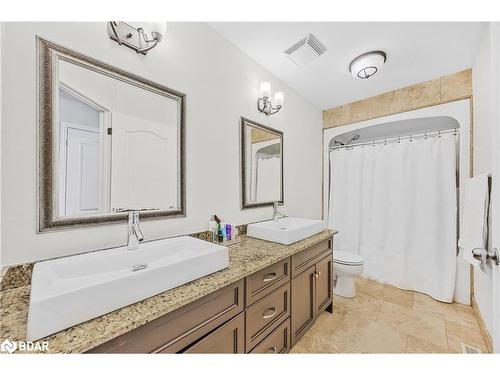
(267, 312)
(229, 338)
(265, 281)
(303, 302)
(277, 342)
(311, 294)
(265, 315)
(324, 283)
(173, 332)
(308, 257)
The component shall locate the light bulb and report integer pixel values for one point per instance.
(279, 98)
(265, 89)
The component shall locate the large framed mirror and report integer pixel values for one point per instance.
(110, 141)
(261, 164)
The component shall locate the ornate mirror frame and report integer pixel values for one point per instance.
(244, 203)
(48, 55)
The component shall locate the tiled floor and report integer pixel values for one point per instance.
(385, 319)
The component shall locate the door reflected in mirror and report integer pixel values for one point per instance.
(116, 139)
(262, 164)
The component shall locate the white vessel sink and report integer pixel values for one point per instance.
(286, 230)
(71, 290)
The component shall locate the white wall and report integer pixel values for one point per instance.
(221, 84)
(483, 133)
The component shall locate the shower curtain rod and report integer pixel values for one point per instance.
(394, 139)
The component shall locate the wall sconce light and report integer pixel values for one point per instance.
(137, 38)
(265, 105)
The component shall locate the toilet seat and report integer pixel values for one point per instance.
(347, 258)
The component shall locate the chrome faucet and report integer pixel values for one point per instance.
(134, 233)
(277, 214)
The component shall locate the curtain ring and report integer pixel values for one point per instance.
(373, 144)
(411, 138)
(439, 134)
(385, 141)
(399, 139)
(425, 135)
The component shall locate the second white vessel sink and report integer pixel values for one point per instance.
(286, 230)
(71, 290)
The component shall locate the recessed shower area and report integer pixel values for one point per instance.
(393, 192)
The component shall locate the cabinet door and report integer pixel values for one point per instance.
(303, 302)
(229, 338)
(324, 290)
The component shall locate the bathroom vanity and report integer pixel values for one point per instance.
(266, 312)
(264, 301)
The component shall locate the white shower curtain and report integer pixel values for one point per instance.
(396, 205)
(268, 182)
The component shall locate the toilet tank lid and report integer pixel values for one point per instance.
(347, 257)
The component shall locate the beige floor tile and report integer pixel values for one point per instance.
(453, 312)
(339, 305)
(363, 305)
(385, 319)
(457, 334)
(417, 345)
(371, 288)
(359, 282)
(326, 324)
(313, 344)
(415, 323)
(357, 335)
(397, 296)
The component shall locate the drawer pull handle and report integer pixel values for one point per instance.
(269, 313)
(273, 350)
(269, 277)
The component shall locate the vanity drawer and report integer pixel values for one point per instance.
(175, 331)
(306, 258)
(227, 339)
(264, 282)
(267, 314)
(277, 342)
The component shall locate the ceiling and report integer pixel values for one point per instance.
(416, 52)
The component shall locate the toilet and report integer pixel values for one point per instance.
(346, 266)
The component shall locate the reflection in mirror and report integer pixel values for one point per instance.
(117, 145)
(116, 141)
(262, 164)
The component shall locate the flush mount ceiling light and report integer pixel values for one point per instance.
(264, 104)
(367, 64)
(137, 38)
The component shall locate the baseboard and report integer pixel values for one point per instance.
(482, 326)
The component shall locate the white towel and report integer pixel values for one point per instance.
(474, 226)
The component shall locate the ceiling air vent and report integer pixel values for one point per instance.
(305, 50)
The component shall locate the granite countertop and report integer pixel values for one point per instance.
(245, 258)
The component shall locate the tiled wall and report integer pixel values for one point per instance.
(437, 91)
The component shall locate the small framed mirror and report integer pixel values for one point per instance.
(110, 141)
(261, 164)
